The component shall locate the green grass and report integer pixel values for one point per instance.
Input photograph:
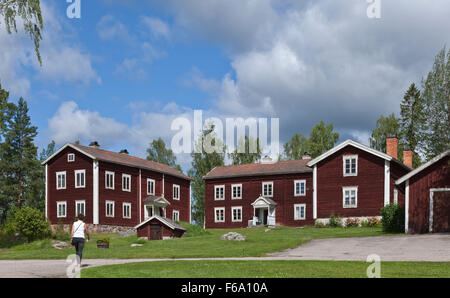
(197, 243)
(265, 269)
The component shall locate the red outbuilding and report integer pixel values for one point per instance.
(159, 228)
(427, 192)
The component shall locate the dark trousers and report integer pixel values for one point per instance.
(79, 245)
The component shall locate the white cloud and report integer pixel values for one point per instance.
(109, 28)
(157, 27)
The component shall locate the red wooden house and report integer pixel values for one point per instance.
(427, 192)
(112, 189)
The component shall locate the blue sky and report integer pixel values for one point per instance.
(126, 69)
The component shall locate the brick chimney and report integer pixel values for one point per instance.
(408, 157)
(391, 146)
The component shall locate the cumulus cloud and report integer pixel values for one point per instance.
(157, 27)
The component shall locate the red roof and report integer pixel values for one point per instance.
(260, 169)
(128, 160)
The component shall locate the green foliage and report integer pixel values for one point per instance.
(159, 153)
(393, 220)
(247, 151)
(60, 234)
(103, 240)
(193, 230)
(29, 12)
(322, 138)
(296, 147)
(371, 222)
(335, 221)
(31, 223)
(386, 126)
(352, 222)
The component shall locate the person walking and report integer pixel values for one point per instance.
(79, 228)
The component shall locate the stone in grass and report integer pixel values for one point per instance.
(136, 245)
(233, 236)
(60, 244)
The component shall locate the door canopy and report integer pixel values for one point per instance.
(263, 202)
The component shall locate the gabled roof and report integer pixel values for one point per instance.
(171, 224)
(266, 200)
(259, 169)
(359, 146)
(156, 199)
(422, 167)
(122, 159)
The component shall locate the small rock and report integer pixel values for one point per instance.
(136, 245)
(233, 236)
(267, 230)
(60, 244)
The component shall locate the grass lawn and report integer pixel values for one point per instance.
(196, 244)
(265, 269)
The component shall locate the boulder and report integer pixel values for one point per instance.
(61, 244)
(233, 236)
(136, 245)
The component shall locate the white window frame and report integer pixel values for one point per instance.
(71, 157)
(304, 188)
(76, 178)
(152, 191)
(176, 190)
(304, 211)
(129, 182)
(232, 192)
(215, 214)
(57, 209)
(264, 184)
(176, 215)
(349, 189)
(215, 192)
(112, 208)
(84, 207)
(123, 210)
(57, 180)
(112, 174)
(350, 157)
(232, 214)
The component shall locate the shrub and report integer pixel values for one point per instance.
(352, 222)
(335, 221)
(393, 220)
(319, 224)
(31, 224)
(103, 240)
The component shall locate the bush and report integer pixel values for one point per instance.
(319, 224)
(335, 221)
(103, 240)
(393, 220)
(352, 222)
(371, 222)
(31, 224)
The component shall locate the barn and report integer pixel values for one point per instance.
(159, 228)
(427, 196)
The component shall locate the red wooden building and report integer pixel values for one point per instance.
(350, 180)
(427, 192)
(159, 228)
(112, 189)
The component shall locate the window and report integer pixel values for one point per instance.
(80, 208)
(350, 197)
(219, 192)
(70, 157)
(267, 189)
(126, 182)
(236, 191)
(62, 209)
(176, 192)
(219, 214)
(176, 215)
(350, 165)
(299, 212)
(80, 179)
(109, 180)
(395, 196)
(150, 186)
(126, 207)
(61, 180)
(300, 188)
(236, 214)
(109, 209)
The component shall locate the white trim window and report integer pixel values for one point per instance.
(219, 192)
(236, 191)
(350, 197)
(219, 214)
(176, 215)
(150, 186)
(126, 182)
(109, 180)
(70, 157)
(176, 192)
(109, 208)
(299, 211)
(126, 210)
(267, 189)
(80, 178)
(300, 188)
(61, 209)
(61, 180)
(236, 214)
(80, 208)
(350, 165)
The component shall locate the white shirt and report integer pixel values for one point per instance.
(78, 228)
